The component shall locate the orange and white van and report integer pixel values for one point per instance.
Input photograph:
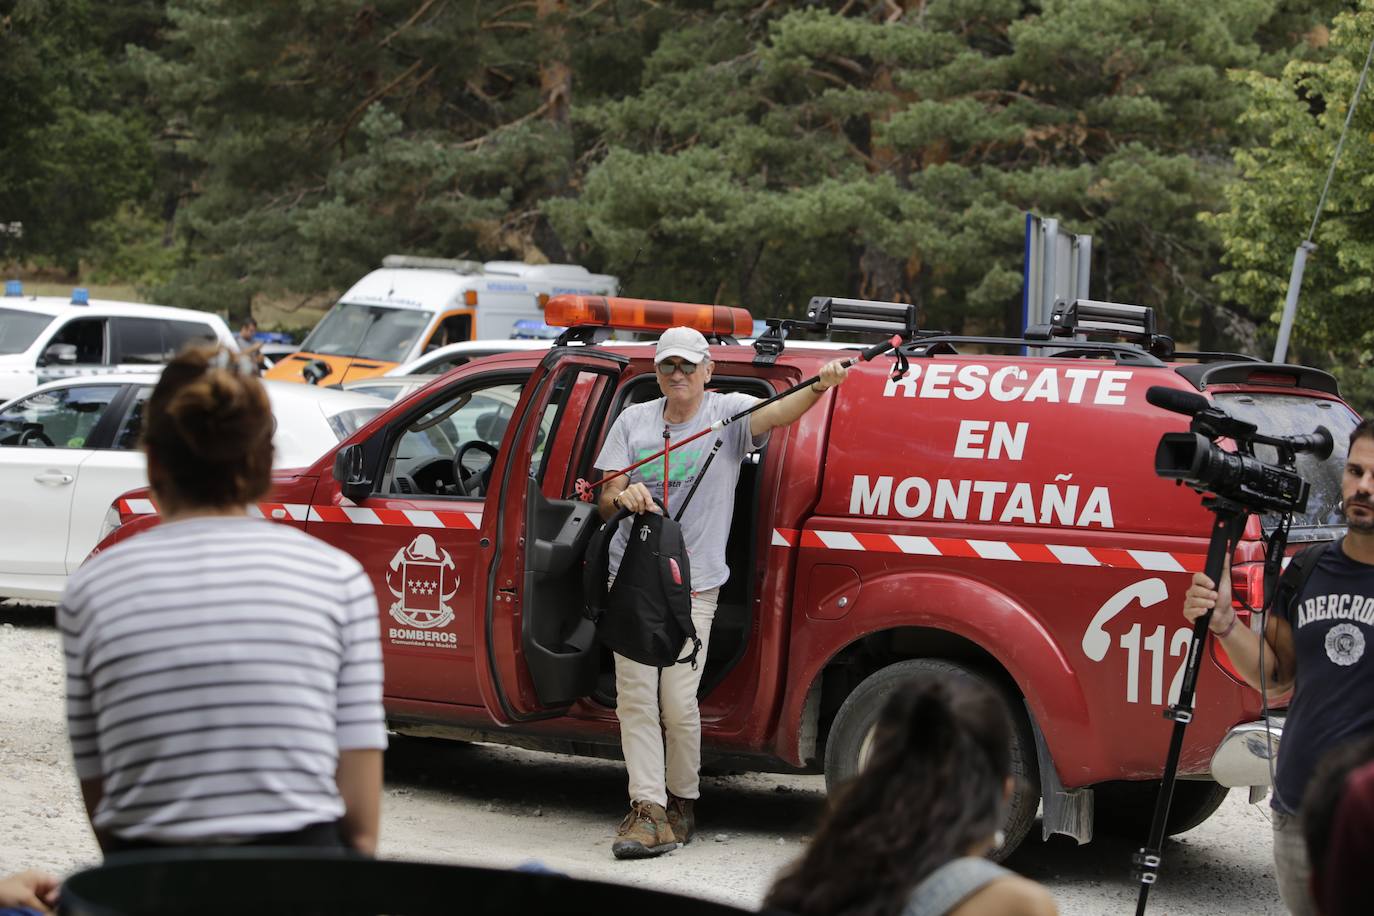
(414, 305)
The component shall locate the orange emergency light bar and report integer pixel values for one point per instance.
(570, 311)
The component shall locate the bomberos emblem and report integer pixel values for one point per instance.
(428, 580)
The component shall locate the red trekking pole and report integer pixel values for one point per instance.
(586, 491)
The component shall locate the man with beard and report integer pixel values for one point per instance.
(1316, 645)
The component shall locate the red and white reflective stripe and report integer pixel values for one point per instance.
(343, 515)
(412, 518)
(281, 511)
(1016, 551)
(129, 507)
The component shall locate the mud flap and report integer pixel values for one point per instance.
(1064, 811)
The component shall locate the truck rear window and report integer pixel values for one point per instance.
(1290, 415)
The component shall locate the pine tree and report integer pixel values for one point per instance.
(1300, 116)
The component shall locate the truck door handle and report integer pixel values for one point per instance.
(54, 478)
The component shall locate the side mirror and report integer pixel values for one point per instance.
(59, 355)
(348, 471)
(316, 371)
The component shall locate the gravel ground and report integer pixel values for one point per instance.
(496, 806)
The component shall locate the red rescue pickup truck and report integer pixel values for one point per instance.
(988, 514)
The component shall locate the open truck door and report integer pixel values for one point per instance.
(540, 655)
(414, 501)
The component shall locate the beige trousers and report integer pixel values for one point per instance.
(660, 724)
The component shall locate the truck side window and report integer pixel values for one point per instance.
(88, 336)
(179, 334)
(449, 449)
(139, 341)
(453, 329)
(567, 423)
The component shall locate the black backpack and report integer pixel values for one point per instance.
(646, 615)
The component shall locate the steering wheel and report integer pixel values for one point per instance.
(34, 433)
(473, 483)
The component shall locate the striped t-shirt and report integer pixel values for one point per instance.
(215, 668)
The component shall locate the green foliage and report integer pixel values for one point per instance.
(71, 150)
(324, 135)
(223, 152)
(1300, 116)
(764, 158)
(1355, 374)
(129, 247)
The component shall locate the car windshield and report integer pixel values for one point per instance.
(19, 329)
(1291, 415)
(366, 331)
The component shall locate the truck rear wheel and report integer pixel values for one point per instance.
(851, 733)
(1127, 808)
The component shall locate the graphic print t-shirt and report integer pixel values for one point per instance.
(1333, 637)
(638, 433)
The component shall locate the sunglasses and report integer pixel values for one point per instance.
(666, 367)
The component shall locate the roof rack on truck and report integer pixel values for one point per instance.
(1082, 328)
(826, 314)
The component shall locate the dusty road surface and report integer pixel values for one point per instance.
(488, 805)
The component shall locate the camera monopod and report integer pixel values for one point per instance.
(587, 491)
(1233, 485)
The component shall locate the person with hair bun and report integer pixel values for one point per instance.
(909, 835)
(224, 673)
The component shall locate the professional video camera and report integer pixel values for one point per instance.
(1233, 484)
(1195, 459)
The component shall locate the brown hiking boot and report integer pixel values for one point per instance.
(644, 833)
(681, 818)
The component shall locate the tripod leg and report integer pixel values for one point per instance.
(1227, 526)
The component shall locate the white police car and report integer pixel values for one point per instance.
(44, 338)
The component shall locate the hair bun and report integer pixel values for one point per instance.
(218, 416)
(209, 430)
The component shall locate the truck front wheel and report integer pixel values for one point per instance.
(851, 735)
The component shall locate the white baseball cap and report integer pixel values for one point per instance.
(686, 343)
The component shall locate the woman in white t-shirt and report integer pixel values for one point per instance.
(224, 675)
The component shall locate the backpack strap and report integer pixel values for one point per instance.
(1294, 578)
(696, 483)
(691, 657)
(596, 567)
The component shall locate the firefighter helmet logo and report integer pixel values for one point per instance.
(422, 579)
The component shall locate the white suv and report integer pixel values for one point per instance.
(44, 338)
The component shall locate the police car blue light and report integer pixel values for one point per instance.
(531, 329)
(14, 288)
(81, 296)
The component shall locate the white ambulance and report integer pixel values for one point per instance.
(414, 305)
